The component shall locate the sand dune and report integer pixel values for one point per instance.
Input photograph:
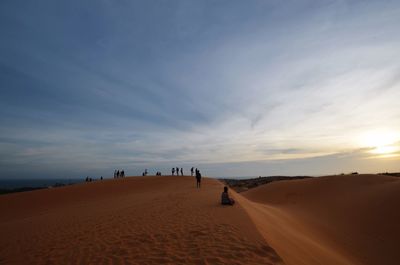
(166, 220)
(352, 219)
(141, 220)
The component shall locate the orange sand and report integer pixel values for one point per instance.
(352, 219)
(141, 220)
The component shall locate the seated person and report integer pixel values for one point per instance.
(225, 200)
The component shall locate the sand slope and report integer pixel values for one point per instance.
(352, 219)
(141, 220)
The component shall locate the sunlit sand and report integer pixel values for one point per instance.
(350, 219)
(141, 220)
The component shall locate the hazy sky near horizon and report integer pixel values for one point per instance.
(234, 87)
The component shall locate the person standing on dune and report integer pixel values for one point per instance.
(191, 171)
(173, 171)
(182, 171)
(198, 178)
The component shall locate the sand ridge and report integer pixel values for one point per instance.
(350, 219)
(138, 220)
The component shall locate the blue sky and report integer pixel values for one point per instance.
(233, 87)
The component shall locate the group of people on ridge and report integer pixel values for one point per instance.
(119, 174)
(225, 199)
(177, 171)
(192, 171)
(89, 179)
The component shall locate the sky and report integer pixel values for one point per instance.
(236, 88)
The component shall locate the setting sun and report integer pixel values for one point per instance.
(381, 142)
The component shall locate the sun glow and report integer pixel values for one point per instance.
(381, 142)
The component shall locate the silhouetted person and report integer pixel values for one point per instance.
(117, 173)
(182, 171)
(173, 171)
(198, 178)
(191, 171)
(87, 179)
(101, 178)
(225, 199)
(177, 171)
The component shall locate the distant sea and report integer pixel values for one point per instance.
(35, 183)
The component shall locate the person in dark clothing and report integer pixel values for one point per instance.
(182, 171)
(198, 178)
(191, 171)
(173, 171)
(225, 199)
